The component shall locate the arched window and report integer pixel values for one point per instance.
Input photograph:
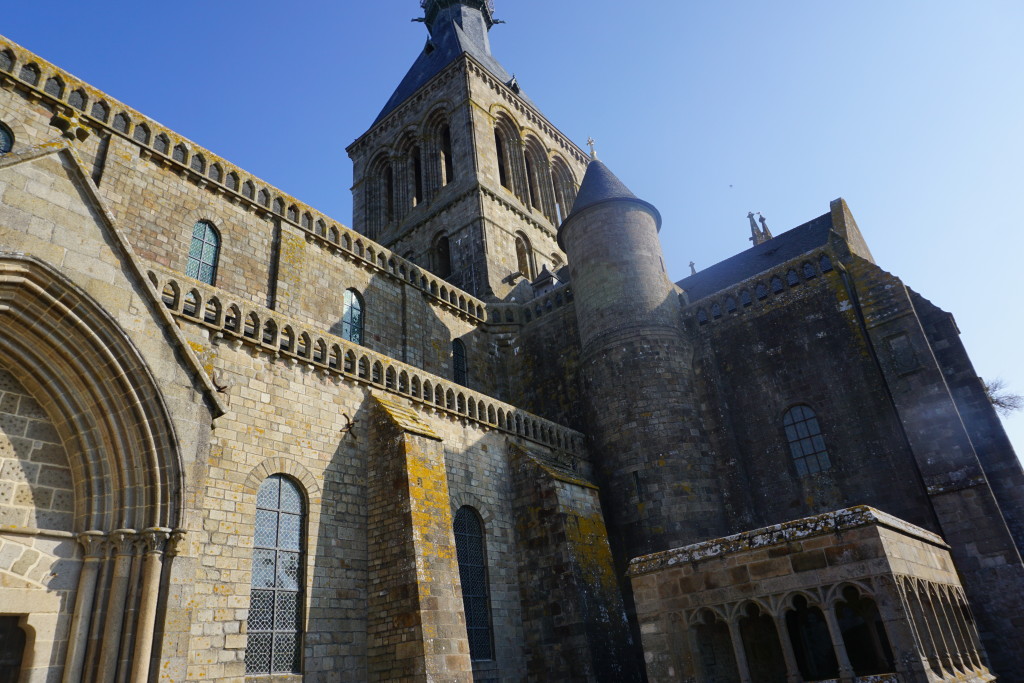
(274, 644)
(503, 169)
(441, 256)
(203, 253)
(460, 369)
(447, 161)
(417, 176)
(806, 444)
(352, 317)
(6, 139)
(564, 188)
(469, 546)
(524, 256)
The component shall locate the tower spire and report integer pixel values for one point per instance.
(432, 9)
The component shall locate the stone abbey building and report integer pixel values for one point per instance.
(479, 436)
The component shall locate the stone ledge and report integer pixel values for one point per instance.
(788, 532)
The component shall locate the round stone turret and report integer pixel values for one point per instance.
(657, 478)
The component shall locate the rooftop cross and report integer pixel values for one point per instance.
(593, 149)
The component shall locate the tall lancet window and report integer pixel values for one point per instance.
(274, 643)
(447, 161)
(460, 368)
(469, 546)
(203, 253)
(352, 317)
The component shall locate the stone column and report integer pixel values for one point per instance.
(792, 668)
(897, 614)
(156, 542)
(741, 654)
(131, 612)
(959, 647)
(123, 541)
(846, 673)
(94, 548)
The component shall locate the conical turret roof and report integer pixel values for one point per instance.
(601, 185)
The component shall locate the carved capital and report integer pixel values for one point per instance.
(94, 544)
(123, 541)
(155, 540)
(175, 542)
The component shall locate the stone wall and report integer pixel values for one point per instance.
(756, 361)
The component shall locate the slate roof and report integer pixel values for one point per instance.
(763, 257)
(447, 44)
(601, 185)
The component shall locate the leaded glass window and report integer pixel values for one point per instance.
(6, 139)
(352, 317)
(460, 370)
(469, 546)
(203, 253)
(275, 612)
(806, 444)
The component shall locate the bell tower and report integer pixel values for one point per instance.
(460, 172)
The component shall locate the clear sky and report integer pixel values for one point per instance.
(910, 109)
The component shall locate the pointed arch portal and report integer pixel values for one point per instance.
(105, 403)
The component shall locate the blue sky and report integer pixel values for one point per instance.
(911, 110)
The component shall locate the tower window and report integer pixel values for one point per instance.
(524, 260)
(460, 369)
(469, 547)
(503, 174)
(442, 256)
(447, 161)
(203, 253)
(417, 177)
(352, 317)
(806, 444)
(6, 139)
(389, 194)
(275, 612)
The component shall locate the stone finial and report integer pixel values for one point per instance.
(593, 148)
(758, 235)
(693, 268)
(754, 231)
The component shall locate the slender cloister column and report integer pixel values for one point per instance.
(962, 609)
(925, 631)
(94, 550)
(792, 668)
(961, 658)
(846, 673)
(737, 647)
(938, 633)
